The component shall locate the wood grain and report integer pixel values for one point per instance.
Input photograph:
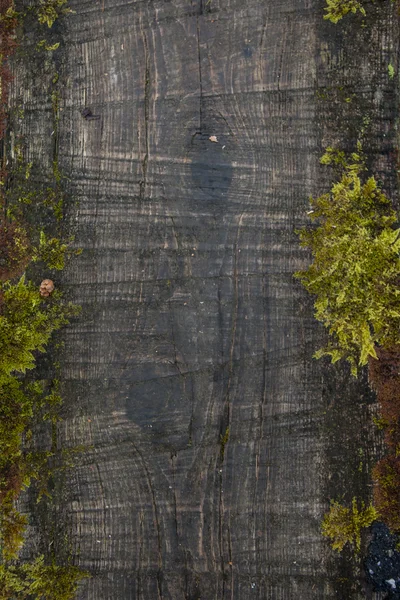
(193, 327)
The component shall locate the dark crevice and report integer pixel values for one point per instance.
(143, 182)
(200, 77)
(157, 521)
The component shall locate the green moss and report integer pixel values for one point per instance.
(356, 263)
(343, 525)
(14, 249)
(43, 45)
(10, 17)
(39, 581)
(380, 422)
(56, 171)
(26, 324)
(48, 11)
(337, 9)
(51, 251)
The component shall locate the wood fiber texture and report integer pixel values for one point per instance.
(189, 374)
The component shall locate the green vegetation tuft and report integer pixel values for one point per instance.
(14, 250)
(9, 17)
(343, 525)
(355, 270)
(53, 252)
(40, 581)
(380, 422)
(43, 45)
(48, 11)
(26, 324)
(337, 9)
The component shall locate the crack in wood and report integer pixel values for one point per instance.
(157, 522)
(147, 87)
(200, 75)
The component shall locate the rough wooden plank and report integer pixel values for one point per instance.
(192, 322)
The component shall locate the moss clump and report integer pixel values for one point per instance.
(356, 267)
(39, 581)
(343, 525)
(14, 250)
(26, 324)
(52, 252)
(337, 9)
(48, 11)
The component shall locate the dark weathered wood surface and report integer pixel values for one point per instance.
(192, 324)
